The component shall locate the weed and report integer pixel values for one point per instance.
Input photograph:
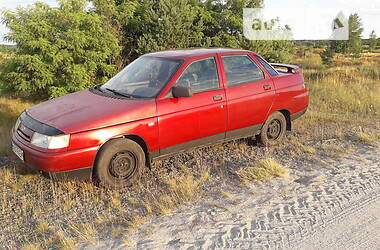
(367, 138)
(263, 170)
(309, 149)
(42, 227)
(226, 195)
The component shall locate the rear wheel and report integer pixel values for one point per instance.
(273, 130)
(119, 163)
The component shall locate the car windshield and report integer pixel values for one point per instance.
(143, 78)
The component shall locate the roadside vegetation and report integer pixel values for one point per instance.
(10, 109)
(38, 213)
(83, 43)
(262, 170)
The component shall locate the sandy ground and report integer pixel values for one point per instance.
(359, 230)
(331, 206)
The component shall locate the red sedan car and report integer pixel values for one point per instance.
(161, 104)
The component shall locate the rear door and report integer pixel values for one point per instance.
(250, 94)
(191, 121)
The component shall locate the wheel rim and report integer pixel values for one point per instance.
(274, 129)
(123, 165)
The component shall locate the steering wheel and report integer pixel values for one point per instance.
(190, 78)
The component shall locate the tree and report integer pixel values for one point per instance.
(372, 41)
(172, 24)
(352, 46)
(224, 26)
(327, 56)
(76, 46)
(59, 50)
(339, 46)
(118, 17)
(355, 40)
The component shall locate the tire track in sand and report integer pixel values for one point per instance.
(282, 214)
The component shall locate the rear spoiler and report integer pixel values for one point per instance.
(288, 68)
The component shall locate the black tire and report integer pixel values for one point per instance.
(273, 130)
(119, 164)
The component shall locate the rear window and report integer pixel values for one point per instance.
(266, 65)
(241, 69)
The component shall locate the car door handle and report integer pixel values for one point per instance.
(217, 97)
(267, 87)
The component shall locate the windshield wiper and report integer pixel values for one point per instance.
(98, 88)
(118, 93)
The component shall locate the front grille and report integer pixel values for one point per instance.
(25, 132)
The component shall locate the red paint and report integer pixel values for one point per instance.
(92, 120)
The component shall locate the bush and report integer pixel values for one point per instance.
(59, 50)
(327, 57)
(77, 46)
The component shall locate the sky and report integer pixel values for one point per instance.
(11, 5)
(369, 12)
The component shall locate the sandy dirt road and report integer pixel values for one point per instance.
(357, 230)
(333, 206)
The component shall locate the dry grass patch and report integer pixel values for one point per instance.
(226, 195)
(346, 88)
(63, 214)
(180, 190)
(61, 240)
(42, 227)
(32, 246)
(263, 170)
(309, 149)
(10, 109)
(367, 137)
(85, 232)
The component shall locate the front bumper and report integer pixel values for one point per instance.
(72, 164)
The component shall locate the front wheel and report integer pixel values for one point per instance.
(119, 163)
(273, 130)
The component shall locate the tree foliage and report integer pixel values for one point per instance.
(172, 24)
(117, 16)
(327, 56)
(79, 45)
(354, 44)
(372, 41)
(351, 46)
(59, 50)
(356, 29)
(225, 28)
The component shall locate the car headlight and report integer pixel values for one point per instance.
(50, 142)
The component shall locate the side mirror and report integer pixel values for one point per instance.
(181, 91)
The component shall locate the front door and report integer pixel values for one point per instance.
(192, 121)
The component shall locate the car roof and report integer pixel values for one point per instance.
(186, 53)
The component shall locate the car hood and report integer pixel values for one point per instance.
(84, 110)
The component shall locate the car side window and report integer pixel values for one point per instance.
(200, 76)
(266, 65)
(241, 69)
